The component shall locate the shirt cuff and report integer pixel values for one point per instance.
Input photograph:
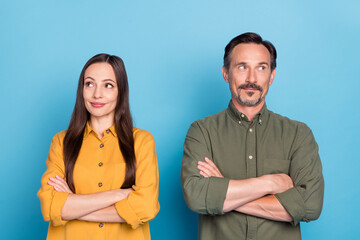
(216, 194)
(57, 204)
(293, 203)
(127, 213)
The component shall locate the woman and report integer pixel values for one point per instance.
(101, 180)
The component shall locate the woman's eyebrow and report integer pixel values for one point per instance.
(108, 79)
(104, 80)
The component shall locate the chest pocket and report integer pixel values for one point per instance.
(273, 166)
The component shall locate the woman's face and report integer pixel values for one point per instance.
(100, 91)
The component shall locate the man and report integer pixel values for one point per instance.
(248, 172)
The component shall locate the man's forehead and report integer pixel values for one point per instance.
(250, 52)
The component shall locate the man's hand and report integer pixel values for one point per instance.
(278, 183)
(208, 169)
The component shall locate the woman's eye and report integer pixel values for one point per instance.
(109, 85)
(89, 84)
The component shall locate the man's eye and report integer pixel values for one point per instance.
(262, 68)
(242, 67)
(109, 85)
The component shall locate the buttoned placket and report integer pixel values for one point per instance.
(100, 167)
(101, 148)
(251, 161)
(100, 163)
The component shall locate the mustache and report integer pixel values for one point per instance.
(251, 85)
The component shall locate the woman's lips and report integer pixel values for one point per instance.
(97, 104)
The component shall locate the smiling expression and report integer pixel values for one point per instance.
(100, 90)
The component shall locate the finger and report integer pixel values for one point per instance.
(207, 166)
(61, 182)
(64, 183)
(208, 169)
(211, 163)
(52, 182)
(58, 189)
(205, 170)
(61, 179)
(204, 174)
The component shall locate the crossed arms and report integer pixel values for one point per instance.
(248, 195)
(94, 207)
(295, 197)
(133, 206)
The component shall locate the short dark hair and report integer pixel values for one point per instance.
(250, 37)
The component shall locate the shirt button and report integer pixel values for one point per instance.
(239, 122)
(250, 157)
(107, 131)
(100, 164)
(101, 225)
(242, 115)
(101, 145)
(250, 130)
(100, 184)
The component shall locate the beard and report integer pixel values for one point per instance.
(250, 103)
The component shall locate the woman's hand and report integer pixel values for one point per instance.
(59, 184)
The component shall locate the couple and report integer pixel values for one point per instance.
(248, 172)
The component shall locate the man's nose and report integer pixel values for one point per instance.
(251, 78)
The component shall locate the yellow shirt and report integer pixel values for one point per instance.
(100, 167)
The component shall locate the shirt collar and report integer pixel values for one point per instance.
(88, 130)
(260, 117)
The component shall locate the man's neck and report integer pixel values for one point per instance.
(250, 112)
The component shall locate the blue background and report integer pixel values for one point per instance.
(173, 55)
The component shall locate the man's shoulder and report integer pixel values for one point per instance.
(286, 122)
(211, 120)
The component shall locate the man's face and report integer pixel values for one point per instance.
(249, 74)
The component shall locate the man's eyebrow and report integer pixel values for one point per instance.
(263, 63)
(240, 63)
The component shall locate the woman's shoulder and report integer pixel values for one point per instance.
(141, 134)
(59, 137)
(61, 134)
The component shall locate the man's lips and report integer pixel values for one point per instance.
(250, 89)
(97, 104)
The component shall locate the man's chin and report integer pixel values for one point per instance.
(249, 102)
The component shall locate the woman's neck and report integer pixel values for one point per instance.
(99, 125)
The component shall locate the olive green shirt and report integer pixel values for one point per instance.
(242, 149)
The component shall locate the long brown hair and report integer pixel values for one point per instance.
(123, 122)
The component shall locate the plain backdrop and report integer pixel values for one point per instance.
(173, 55)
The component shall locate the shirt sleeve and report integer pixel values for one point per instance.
(142, 204)
(304, 201)
(52, 201)
(202, 195)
